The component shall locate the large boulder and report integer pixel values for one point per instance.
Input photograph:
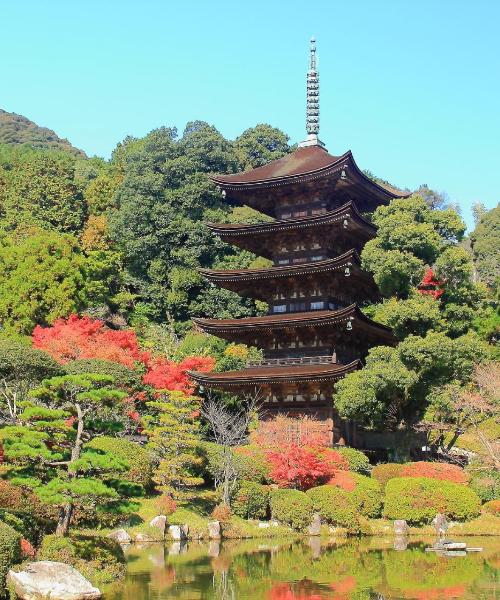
(214, 530)
(120, 536)
(48, 580)
(179, 532)
(160, 523)
(401, 527)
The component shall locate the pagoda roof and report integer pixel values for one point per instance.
(346, 211)
(274, 375)
(320, 318)
(349, 258)
(303, 165)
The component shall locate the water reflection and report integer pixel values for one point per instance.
(311, 569)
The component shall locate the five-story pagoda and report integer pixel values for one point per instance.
(315, 332)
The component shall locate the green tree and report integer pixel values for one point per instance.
(173, 436)
(261, 144)
(47, 451)
(486, 247)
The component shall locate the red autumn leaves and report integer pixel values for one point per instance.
(77, 338)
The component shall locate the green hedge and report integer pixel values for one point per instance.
(335, 506)
(419, 499)
(251, 501)
(10, 550)
(292, 508)
(99, 559)
(367, 496)
(357, 460)
(138, 458)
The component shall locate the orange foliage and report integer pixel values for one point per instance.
(284, 591)
(165, 374)
(166, 504)
(435, 470)
(344, 480)
(84, 338)
(27, 550)
(221, 513)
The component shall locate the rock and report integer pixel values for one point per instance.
(179, 532)
(315, 526)
(120, 536)
(48, 580)
(214, 530)
(440, 523)
(264, 525)
(401, 527)
(160, 522)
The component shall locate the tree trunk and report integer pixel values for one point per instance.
(65, 515)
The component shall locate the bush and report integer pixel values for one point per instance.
(335, 506)
(99, 559)
(435, 470)
(292, 508)
(251, 501)
(419, 499)
(139, 460)
(486, 485)
(165, 504)
(249, 461)
(10, 550)
(386, 471)
(357, 460)
(222, 513)
(367, 496)
(492, 507)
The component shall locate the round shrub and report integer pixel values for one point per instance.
(386, 471)
(249, 462)
(251, 501)
(140, 469)
(335, 506)
(357, 460)
(222, 513)
(435, 470)
(10, 550)
(367, 496)
(486, 485)
(292, 508)
(99, 559)
(419, 499)
(492, 507)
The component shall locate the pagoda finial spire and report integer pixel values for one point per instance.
(312, 114)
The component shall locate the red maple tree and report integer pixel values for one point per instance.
(84, 338)
(430, 286)
(165, 374)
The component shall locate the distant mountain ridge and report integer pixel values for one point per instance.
(16, 129)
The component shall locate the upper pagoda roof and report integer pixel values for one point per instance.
(274, 375)
(305, 165)
(226, 328)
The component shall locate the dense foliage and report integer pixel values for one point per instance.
(335, 506)
(291, 507)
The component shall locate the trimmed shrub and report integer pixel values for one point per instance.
(419, 499)
(251, 501)
(335, 506)
(222, 513)
(10, 550)
(139, 460)
(357, 460)
(492, 507)
(386, 471)
(99, 559)
(367, 496)
(486, 485)
(292, 508)
(435, 470)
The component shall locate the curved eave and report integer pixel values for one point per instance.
(219, 327)
(275, 375)
(347, 259)
(346, 211)
(335, 166)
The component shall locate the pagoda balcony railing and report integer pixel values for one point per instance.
(301, 360)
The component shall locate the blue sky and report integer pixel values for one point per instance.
(412, 88)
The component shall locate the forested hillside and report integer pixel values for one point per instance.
(16, 129)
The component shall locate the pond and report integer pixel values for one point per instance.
(312, 569)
